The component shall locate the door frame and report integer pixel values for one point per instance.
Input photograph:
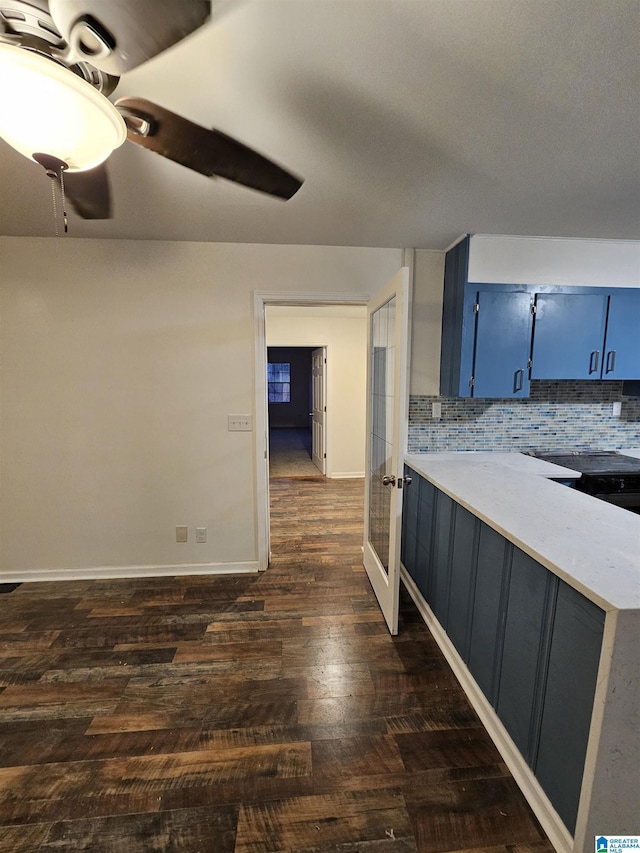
(261, 414)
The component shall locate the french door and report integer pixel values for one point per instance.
(387, 416)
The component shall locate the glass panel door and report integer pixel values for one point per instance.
(387, 412)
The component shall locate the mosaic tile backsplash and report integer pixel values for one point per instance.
(558, 415)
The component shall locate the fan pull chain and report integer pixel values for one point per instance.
(64, 206)
(55, 209)
(54, 168)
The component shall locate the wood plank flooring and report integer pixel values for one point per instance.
(244, 714)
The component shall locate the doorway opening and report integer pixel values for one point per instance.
(296, 412)
(336, 328)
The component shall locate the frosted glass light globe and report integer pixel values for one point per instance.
(47, 109)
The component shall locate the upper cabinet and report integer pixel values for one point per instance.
(502, 342)
(497, 335)
(486, 334)
(568, 337)
(621, 352)
(587, 335)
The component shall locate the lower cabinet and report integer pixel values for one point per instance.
(531, 642)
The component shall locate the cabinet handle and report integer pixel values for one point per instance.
(594, 361)
(518, 381)
(611, 361)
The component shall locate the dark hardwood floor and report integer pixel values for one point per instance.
(244, 714)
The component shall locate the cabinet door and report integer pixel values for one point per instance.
(426, 513)
(440, 569)
(486, 620)
(503, 343)
(568, 335)
(622, 346)
(526, 636)
(566, 714)
(463, 569)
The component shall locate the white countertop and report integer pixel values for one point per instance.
(592, 545)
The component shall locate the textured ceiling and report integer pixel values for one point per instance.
(412, 121)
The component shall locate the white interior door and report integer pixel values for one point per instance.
(387, 414)
(319, 408)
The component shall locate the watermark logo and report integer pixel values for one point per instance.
(617, 843)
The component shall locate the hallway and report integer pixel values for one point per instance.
(290, 454)
(244, 714)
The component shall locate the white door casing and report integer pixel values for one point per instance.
(261, 432)
(387, 418)
(319, 408)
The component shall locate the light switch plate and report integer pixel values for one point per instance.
(239, 423)
(181, 533)
(436, 410)
(616, 409)
(201, 534)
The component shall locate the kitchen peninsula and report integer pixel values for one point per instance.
(532, 590)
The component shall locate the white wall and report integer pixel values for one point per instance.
(120, 362)
(426, 322)
(343, 330)
(553, 260)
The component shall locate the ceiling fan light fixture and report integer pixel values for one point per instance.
(46, 108)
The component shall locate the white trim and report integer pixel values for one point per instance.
(262, 298)
(346, 475)
(455, 242)
(113, 572)
(522, 773)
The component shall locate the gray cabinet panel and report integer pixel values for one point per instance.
(486, 619)
(408, 543)
(566, 715)
(426, 519)
(463, 568)
(525, 635)
(440, 574)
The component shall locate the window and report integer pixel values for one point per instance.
(279, 383)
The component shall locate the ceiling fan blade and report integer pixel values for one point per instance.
(209, 152)
(118, 35)
(89, 192)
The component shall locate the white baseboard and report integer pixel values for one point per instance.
(107, 572)
(346, 475)
(522, 773)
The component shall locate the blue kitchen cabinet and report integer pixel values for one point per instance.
(525, 644)
(466, 529)
(486, 333)
(568, 335)
(574, 658)
(531, 642)
(427, 512)
(487, 610)
(440, 574)
(492, 348)
(622, 344)
(502, 343)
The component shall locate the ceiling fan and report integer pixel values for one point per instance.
(62, 59)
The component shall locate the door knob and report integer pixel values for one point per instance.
(388, 481)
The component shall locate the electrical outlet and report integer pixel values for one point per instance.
(201, 534)
(436, 411)
(616, 409)
(239, 423)
(181, 533)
